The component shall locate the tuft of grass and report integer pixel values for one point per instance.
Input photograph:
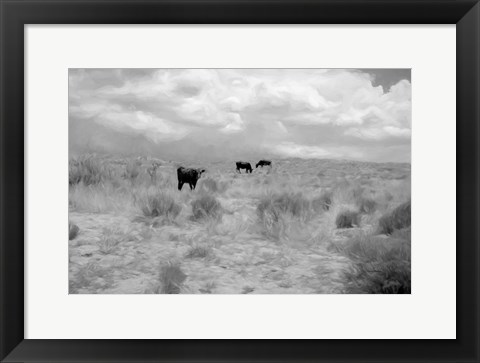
(209, 286)
(323, 202)
(111, 238)
(347, 219)
(276, 205)
(90, 277)
(399, 218)
(108, 244)
(206, 206)
(199, 251)
(366, 205)
(88, 170)
(171, 278)
(381, 265)
(72, 231)
(132, 170)
(283, 214)
(153, 204)
(213, 186)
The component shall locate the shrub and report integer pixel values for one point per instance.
(158, 204)
(72, 231)
(323, 202)
(347, 219)
(366, 205)
(88, 170)
(171, 278)
(399, 218)
(206, 206)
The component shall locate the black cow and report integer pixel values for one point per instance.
(263, 163)
(188, 175)
(244, 165)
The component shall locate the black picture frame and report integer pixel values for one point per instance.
(16, 13)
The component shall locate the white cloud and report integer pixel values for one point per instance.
(167, 105)
(291, 149)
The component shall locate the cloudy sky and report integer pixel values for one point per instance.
(214, 114)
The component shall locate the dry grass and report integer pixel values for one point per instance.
(347, 219)
(399, 218)
(212, 185)
(282, 215)
(276, 205)
(132, 170)
(90, 277)
(323, 202)
(199, 251)
(72, 231)
(88, 170)
(154, 203)
(297, 208)
(366, 205)
(382, 265)
(206, 206)
(171, 278)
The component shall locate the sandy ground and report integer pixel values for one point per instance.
(240, 264)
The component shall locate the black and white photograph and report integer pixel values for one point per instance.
(239, 181)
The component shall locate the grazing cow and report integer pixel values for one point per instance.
(263, 163)
(188, 175)
(244, 165)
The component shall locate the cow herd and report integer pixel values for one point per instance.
(190, 176)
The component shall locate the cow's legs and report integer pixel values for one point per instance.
(191, 186)
(180, 185)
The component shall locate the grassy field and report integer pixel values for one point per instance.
(298, 227)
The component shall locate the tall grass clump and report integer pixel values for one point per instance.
(381, 265)
(111, 238)
(277, 212)
(101, 198)
(277, 205)
(152, 171)
(154, 203)
(206, 206)
(171, 278)
(366, 205)
(199, 251)
(213, 186)
(347, 219)
(72, 231)
(132, 170)
(397, 219)
(88, 170)
(108, 244)
(322, 202)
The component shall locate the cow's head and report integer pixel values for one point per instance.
(200, 171)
